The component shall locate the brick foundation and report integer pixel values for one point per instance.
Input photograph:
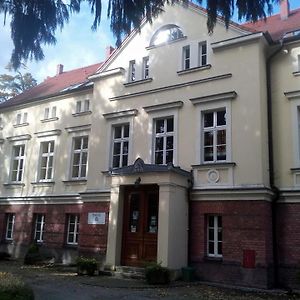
(246, 226)
(92, 238)
(288, 224)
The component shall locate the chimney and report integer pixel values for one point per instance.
(108, 51)
(284, 9)
(59, 69)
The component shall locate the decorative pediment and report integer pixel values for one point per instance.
(139, 166)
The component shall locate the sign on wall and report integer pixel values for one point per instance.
(96, 218)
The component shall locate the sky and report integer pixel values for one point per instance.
(77, 45)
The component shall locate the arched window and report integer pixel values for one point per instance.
(166, 34)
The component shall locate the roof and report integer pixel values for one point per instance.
(52, 86)
(276, 26)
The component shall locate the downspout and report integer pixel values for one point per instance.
(190, 187)
(271, 162)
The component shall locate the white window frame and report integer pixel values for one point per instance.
(81, 151)
(18, 158)
(10, 224)
(210, 106)
(82, 106)
(78, 107)
(146, 67)
(120, 140)
(19, 119)
(132, 71)
(75, 233)
(39, 228)
(46, 113)
(214, 130)
(53, 112)
(215, 240)
(163, 135)
(201, 54)
(186, 59)
(46, 155)
(160, 114)
(295, 112)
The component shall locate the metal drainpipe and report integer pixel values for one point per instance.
(271, 162)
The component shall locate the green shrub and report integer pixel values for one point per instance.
(156, 274)
(33, 255)
(12, 287)
(86, 265)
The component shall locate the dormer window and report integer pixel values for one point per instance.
(166, 34)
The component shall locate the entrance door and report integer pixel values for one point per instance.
(139, 244)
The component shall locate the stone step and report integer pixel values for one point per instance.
(129, 272)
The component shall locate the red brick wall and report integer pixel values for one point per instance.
(288, 231)
(92, 238)
(246, 226)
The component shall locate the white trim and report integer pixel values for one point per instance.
(112, 72)
(295, 118)
(292, 95)
(215, 240)
(214, 97)
(41, 231)
(17, 158)
(48, 133)
(236, 40)
(159, 107)
(75, 233)
(120, 114)
(16, 138)
(72, 129)
(46, 155)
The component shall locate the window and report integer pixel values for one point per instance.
(164, 140)
(47, 113)
(18, 119)
(166, 34)
(46, 161)
(21, 118)
(214, 236)
(202, 52)
(10, 223)
(146, 67)
(214, 136)
(73, 229)
(120, 146)
(39, 228)
(132, 74)
(80, 156)
(82, 106)
(18, 160)
(186, 52)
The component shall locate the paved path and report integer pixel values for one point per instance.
(56, 284)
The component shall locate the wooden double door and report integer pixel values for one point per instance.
(140, 225)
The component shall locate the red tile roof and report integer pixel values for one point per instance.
(277, 27)
(55, 85)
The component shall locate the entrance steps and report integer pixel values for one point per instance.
(129, 272)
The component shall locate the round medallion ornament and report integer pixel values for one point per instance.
(213, 176)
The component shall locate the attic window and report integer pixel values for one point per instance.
(166, 34)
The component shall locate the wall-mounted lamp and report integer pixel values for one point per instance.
(137, 182)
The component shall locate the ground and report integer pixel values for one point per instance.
(64, 284)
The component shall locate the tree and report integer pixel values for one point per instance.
(12, 85)
(34, 22)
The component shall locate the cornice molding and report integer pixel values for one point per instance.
(163, 106)
(292, 95)
(22, 137)
(48, 133)
(214, 97)
(121, 114)
(86, 127)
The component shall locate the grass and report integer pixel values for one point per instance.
(12, 287)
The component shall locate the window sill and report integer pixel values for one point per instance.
(83, 113)
(71, 246)
(49, 120)
(215, 164)
(297, 73)
(214, 259)
(6, 241)
(20, 125)
(43, 183)
(14, 185)
(136, 82)
(75, 182)
(192, 70)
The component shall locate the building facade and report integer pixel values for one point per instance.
(181, 148)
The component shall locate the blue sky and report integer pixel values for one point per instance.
(77, 45)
